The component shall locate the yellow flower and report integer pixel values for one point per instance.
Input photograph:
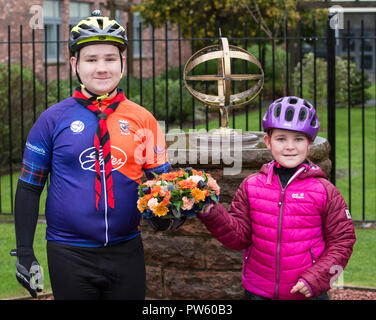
(160, 210)
(141, 204)
(198, 195)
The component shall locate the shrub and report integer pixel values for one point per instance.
(160, 98)
(20, 125)
(321, 82)
(174, 102)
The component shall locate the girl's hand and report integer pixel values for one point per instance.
(206, 208)
(302, 288)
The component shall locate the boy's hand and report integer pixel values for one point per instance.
(302, 288)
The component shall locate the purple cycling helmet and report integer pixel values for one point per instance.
(292, 113)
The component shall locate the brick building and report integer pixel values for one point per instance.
(30, 30)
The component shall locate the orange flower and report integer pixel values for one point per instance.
(198, 195)
(160, 210)
(180, 173)
(155, 189)
(170, 176)
(187, 184)
(197, 173)
(147, 197)
(166, 199)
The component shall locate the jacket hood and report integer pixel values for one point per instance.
(310, 170)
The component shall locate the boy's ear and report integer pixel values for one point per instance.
(123, 64)
(267, 141)
(73, 62)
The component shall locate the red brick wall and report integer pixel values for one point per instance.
(16, 13)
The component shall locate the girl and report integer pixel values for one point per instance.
(292, 223)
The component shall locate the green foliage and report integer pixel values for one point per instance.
(267, 64)
(321, 82)
(176, 105)
(212, 14)
(9, 286)
(18, 121)
(230, 15)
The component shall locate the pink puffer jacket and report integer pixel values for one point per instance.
(303, 231)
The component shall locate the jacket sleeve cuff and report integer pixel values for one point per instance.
(203, 214)
(307, 285)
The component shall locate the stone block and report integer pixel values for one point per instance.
(154, 282)
(219, 257)
(177, 251)
(202, 285)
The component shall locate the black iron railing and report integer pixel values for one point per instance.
(31, 83)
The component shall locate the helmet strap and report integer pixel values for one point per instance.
(78, 77)
(96, 96)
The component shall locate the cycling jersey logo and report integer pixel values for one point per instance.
(124, 127)
(77, 126)
(35, 148)
(87, 159)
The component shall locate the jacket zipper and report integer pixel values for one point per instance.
(249, 250)
(280, 204)
(105, 190)
(105, 205)
(312, 256)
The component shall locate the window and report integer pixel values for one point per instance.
(368, 62)
(78, 11)
(52, 23)
(136, 36)
(119, 16)
(346, 41)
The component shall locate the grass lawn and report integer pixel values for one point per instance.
(9, 287)
(361, 270)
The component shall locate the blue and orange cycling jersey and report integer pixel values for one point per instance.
(61, 144)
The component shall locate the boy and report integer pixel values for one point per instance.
(95, 145)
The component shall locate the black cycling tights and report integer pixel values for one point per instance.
(105, 273)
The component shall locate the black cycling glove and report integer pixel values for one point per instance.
(28, 271)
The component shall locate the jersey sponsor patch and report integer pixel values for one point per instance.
(36, 149)
(348, 215)
(87, 159)
(77, 126)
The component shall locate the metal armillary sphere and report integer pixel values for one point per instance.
(224, 101)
